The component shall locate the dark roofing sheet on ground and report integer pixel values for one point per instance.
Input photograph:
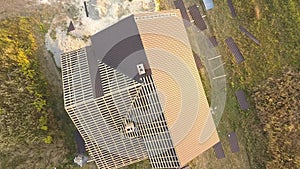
(219, 152)
(209, 4)
(198, 61)
(198, 20)
(71, 27)
(180, 5)
(231, 7)
(234, 50)
(213, 41)
(241, 97)
(247, 33)
(234, 145)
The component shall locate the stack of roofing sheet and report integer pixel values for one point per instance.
(234, 50)
(234, 145)
(252, 37)
(198, 20)
(213, 41)
(241, 97)
(232, 10)
(198, 61)
(180, 5)
(219, 152)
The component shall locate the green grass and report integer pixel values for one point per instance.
(279, 49)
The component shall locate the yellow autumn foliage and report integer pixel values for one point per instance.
(22, 90)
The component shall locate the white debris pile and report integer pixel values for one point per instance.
(102, 13)
(43, 2)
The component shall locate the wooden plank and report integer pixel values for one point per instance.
(231, 7)
(234, 50)
(247, 33)
(86, 10)
(242, 100)
(197, 17)
(233, 141)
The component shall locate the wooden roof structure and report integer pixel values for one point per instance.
(174, 54)
(129, 120)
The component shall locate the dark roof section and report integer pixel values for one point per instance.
(234, 50)
(252, 37)
(213, 41)
(198, 20)
(71, 27)
(219, 152)
(180, 5)
(209, 4)
(93, 68)
(198, 61)
(232, 10)
(123, 49)
(98, 87)
(80, 143)
(118, 46)
(241, 97)
(234, 145)
(86, 10)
